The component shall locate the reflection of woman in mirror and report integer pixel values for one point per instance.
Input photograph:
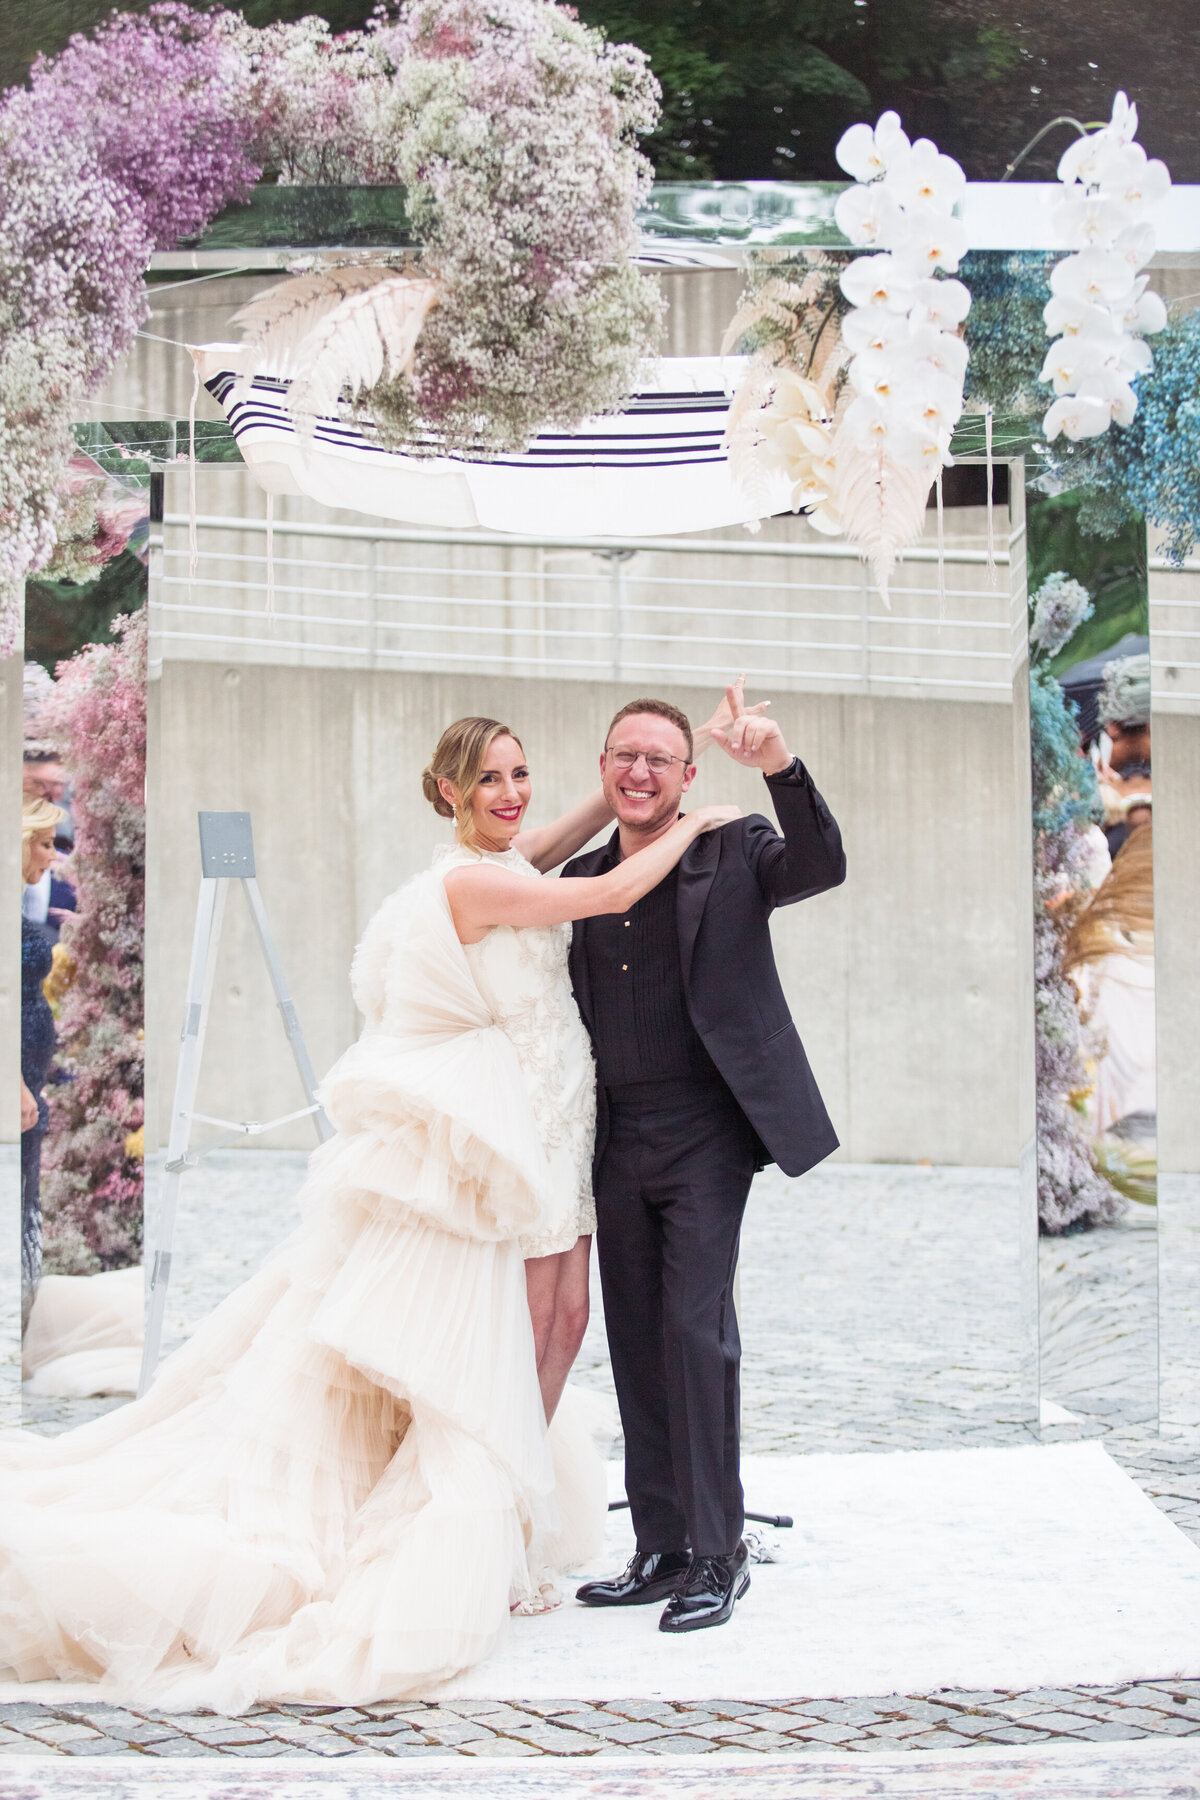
(1110, 957)
(38, 821)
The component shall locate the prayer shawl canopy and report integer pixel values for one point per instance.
(656, 468)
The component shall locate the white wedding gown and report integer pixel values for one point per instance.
(339, 1486)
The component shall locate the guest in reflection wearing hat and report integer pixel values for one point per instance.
(1124, 711)
(39, 820)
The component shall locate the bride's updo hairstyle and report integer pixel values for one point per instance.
(460, 757)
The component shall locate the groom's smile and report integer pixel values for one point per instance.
(645, 768)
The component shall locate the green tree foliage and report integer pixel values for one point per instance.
(765, 93)
(1111, 568)
(62, 618)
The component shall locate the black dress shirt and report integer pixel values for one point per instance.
(641, 1027)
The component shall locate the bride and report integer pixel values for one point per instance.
(343, 1483)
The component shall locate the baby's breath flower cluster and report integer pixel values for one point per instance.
(1125, 696)
(515, 135)
(1058, 610)
(92, 1179)
(514, 129)
(97, 517)
(128, 140)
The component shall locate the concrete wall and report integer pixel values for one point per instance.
(1176, 938)
(902, 982)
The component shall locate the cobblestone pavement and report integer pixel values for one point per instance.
(880, 1310)
(882, 1723)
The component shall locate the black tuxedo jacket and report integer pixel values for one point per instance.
(730, 881)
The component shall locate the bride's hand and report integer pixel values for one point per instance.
(711, 818)
(723, 717)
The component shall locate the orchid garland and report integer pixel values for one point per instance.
(1100, 307)
(909, 357)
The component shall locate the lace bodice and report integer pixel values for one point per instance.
(522, 976)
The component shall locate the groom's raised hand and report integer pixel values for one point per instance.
(750, 739)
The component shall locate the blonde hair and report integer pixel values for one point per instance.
(1121, 908)
(37, 816)
(459, 758)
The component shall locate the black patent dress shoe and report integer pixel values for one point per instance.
(651, 1575)
(707, 1593)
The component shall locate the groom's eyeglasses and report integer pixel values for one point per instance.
(658, 761)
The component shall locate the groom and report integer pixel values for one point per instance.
(701, 1079)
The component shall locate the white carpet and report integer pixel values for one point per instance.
(1016, 1568)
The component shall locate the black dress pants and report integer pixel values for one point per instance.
(671, 1188)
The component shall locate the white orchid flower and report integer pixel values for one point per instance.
(880, 373)
(868, 422)
(825, 519)
(925, 179)
(1107, 386)
(933, 404)
(877, 281)
(1134, 357)
(794, 397)
(1077, 416)
(1147, 185)
(914, 448)
(1072, 317)
(867, 215)
(1124, 122)
(930, 451)
(1081, 161)
(942, 350)
(870, 327)
(934, 243)
(858, 153)
(1095, 275)
(1147, 314)
(890, 137)
(1081, 218)
(1135, 246)
(1069, 360)
(866, 154)
(941, 303)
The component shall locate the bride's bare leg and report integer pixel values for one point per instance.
(558, 1306)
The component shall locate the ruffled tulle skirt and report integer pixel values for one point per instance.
(334, 1491)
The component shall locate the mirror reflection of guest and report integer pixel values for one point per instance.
(1110, 956)
(1124, 711)
(50, 899)
(39, 819)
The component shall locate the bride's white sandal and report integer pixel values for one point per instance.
(544, 1599)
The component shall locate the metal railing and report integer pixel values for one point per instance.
(802, 613)
(1175, 628)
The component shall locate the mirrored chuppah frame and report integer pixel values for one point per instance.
(714, 227)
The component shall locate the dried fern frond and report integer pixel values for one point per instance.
(881, 505)
(368, 338)
(277, 322)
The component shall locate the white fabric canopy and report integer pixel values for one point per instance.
(656, 468)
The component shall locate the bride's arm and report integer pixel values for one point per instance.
(482, 895)
(546, 846)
